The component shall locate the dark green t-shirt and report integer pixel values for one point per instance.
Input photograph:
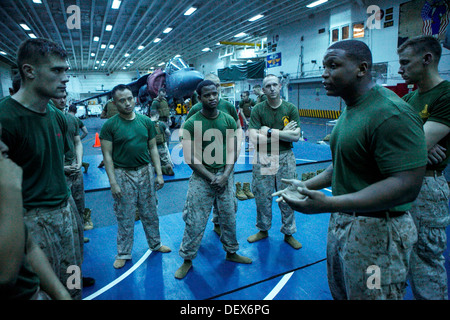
(264, 115)
(37, 143)
(379, 135)
(246, 107)
(434, 105)
(130, 140)
(162, 107)
(212, 134)
(223, 106)
(73, 130)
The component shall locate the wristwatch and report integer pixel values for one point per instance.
(269, 133)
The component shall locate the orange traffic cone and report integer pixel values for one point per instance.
(97, 141)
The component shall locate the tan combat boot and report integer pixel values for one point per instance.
(247, 190)
(239, 192)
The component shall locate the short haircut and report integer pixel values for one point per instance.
(34, 51)
(73, 108)
(423, 44)
(270, 75)
(256, 86)
(212, 77)
(246, 92)
(356, 50)
(204, 83)
(120, 87)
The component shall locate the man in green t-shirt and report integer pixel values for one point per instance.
(378, 163)
(274, 126)
(260, 95)
(209, 148)
(227, 107)
(35, 133)
(419, 59)
(73, 158)
(160, 104)
(129, 148)
(245, 106)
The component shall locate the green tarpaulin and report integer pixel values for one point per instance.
(251, 70)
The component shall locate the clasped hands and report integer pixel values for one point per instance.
(301, 199)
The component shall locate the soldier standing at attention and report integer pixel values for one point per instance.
(211, 181)
(274, 126)
(128, 143)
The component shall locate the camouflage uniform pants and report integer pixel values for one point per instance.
(199, 201)
(267, 174)
(364, 251)
(75, 183)
(58, 231)
(215, 214)
(428, 276)
(138, 192)
(164, 155)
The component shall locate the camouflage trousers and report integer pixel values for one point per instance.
(368, 258)
(59, 233)
(164, 155)
(75, 183)
(430, 211)
(215, 214)
(199, 201)
(138, 192)
(267, 174)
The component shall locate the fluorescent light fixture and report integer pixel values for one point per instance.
(32, 35)
(140, 47)
(97, 62)
(3, 53)
(131, 62)
(157, 40)
(109, 27)
(316, 3)
(111, 46)
(240, 35)
(37, 1)
(126, 55)
(25, 27)
(167, 30)
(206, 49)
(92, 54)
(95, 68)
(161, 64)
(116, 4)
(190, 11)
(103, 46)
(124, 68)
(96, 39)
(104, 61)
(257, 17)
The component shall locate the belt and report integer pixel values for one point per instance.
(377, 214)
(133, 169)
(433, 173)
